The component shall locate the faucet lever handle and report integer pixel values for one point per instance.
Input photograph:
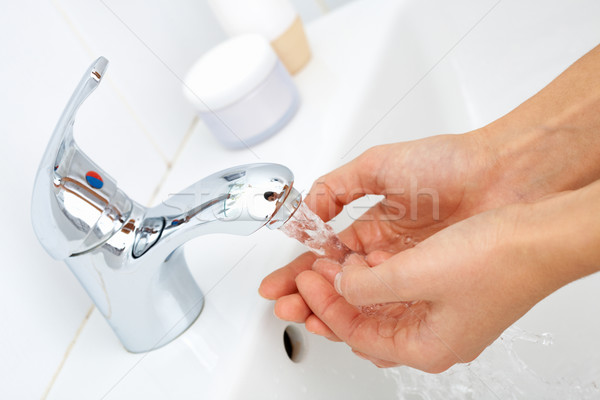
(75, 204)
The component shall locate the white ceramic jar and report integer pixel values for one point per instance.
(242, 91)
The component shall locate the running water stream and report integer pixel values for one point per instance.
(310, 230)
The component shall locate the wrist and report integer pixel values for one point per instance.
(582, 227)
(532, 161)
(561, 236)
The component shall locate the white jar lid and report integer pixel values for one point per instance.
(229, 71)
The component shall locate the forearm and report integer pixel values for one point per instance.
(551, 142)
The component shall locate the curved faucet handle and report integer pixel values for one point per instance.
(75, 206)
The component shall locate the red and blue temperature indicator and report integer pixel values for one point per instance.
(94, 179)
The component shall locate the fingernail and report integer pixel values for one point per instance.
(337, 282)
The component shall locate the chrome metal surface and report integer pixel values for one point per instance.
(129, 257)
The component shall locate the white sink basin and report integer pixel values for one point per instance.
(383, 71)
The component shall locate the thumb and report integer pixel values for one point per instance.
(331, 192)
(399, 278)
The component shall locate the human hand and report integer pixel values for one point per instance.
(472, 280)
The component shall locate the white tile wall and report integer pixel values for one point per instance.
(41, 303)
(45, 46)
(150, 49)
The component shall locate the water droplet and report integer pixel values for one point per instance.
(546, 339)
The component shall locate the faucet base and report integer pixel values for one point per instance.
(167, 302)
(176, 331)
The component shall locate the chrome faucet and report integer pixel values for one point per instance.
(128, 257)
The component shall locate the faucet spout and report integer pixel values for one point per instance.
(238, 201)
(128, 257)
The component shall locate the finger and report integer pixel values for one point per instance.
(379, 363)
(281, 282)
(360, 176)
(377, 257)
(328, 268)
(399, 278)
(314, 325)
(292, 308)
(378, 229)
(356, 259)
(345, 321)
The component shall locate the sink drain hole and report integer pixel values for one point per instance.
(293, 343)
